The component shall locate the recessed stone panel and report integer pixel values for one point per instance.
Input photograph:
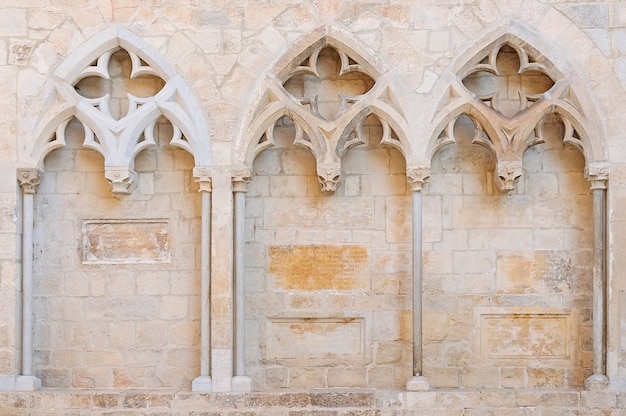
(316, 341)
(319, 267)
(522, 335)
(126, 241)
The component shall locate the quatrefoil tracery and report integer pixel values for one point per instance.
(117, 123)
(508, 96)
(508, 80)
(326, 85)
(327, 96)
(112, 78)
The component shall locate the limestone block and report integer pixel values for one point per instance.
(315, 213)
(512, 377)
(288, 186)
(277, 377)
(356, 399)
(90, 377)
(150, 334)
(316, 341)
(121, 334)
(347, 377)
(153, 283)
(546, 377)
(174, 307)
(477, 377)
(307, 377)
(13, 22)
(475, 262)
(343, 269)
(386, 325)
(443, 377)
(380, 377)
(588, 16)
(438, 40)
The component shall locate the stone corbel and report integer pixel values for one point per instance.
(507, 174)
(121, 178)
(329, 176)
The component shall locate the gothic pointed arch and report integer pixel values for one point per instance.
(327, 86)
(508, 88)
(119, 135)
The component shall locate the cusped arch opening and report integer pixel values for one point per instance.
(328, 91)
(119, 88)
(510, 89)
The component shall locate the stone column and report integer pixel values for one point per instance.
(203, 382)
(28, 180)
(240, 381)
(221, 290)
(598, 176)
(417, 178)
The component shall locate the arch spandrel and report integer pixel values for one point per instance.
(120, 139)
(508, 136)
(328, 137)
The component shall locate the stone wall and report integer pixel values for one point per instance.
(116, 291)
(142, 123)
(330, 403)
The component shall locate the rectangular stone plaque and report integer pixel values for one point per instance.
(520, 335)
(316, 341)
(126, 241)
(319, 267)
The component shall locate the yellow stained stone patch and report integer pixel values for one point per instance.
(319, 267)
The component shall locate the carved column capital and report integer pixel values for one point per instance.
(417, 177)
(29, 179)
(203, 177)
(597, 174)
(240, 178)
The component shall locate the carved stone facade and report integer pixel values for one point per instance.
(240, 197)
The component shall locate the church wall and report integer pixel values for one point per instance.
(116, 298)
(328, 276)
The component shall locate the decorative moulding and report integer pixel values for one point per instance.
(327, 132)
(120, 140)
(509, 122)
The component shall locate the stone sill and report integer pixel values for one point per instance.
(301, 403)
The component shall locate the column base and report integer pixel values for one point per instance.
(29, 383)
(202, 384)
(597, 382)
(418, 383)
(241, 384)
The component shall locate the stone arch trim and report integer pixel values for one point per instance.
(328, 140)
(509, 137)
(119, 141)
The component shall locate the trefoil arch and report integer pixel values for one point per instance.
(508, 91)
(327, 126)
(120, 138)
